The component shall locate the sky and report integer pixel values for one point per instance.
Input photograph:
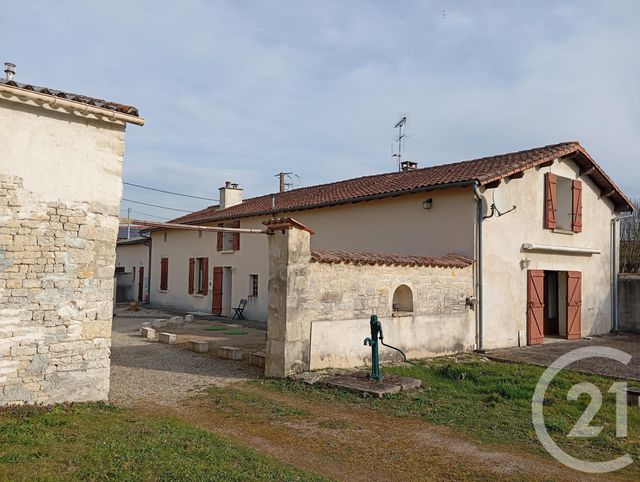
(241, 90)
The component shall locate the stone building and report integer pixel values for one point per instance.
(60, 189)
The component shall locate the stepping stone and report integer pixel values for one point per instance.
(158, 322)
(148, 333)
(168, 338)
(175, 319)
(230, 353)
(189, 317)
(258, 359)
(198, 346)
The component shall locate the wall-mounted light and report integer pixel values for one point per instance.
(427, 203)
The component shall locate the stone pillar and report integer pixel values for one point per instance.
(288, 324)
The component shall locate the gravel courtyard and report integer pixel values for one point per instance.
(144, 371)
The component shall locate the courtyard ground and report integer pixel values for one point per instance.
(547, 353)
(471, 421)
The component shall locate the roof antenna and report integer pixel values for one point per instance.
(400, 125)
(287, 181)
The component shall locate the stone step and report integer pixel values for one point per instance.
(168, 338)
(148, 332)
(258, 359)
(189, 317)
(230, 353)
(198, 346)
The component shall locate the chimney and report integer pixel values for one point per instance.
(10, 70)
(230, 195)
(408, 166)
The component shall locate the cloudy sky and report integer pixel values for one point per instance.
(240, 90)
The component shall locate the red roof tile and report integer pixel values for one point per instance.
(483, 170)
(360, 258)
(83, 99)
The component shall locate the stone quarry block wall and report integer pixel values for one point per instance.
(60, 188)
(56, 283)
(319, 313)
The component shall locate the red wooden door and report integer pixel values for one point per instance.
(216, 307)
(574, 305)
(140, 283)
(535, 306)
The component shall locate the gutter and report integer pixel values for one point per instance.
(53, 102)
(479, 219)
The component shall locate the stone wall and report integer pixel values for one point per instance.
(56, 284)
(60, 188)
(319, 313)
(629, 302)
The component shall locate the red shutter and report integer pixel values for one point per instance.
(236, 237)
(535, 306)
(550, 200)
(220, 238)
(164, 273)
(205, 276)
(192, 266)
(574, 305)
(216, 305)
(576, 211)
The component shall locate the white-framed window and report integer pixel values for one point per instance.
(253, 285)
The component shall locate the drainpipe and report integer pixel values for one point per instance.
(479, 218)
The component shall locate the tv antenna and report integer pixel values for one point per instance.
(400, 125)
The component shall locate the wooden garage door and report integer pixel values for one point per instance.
(574, 305)
(535, 306)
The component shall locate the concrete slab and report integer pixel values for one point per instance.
(168, 338)
(230, 353)
(198, 346)
(258, 359)
(362, 386)
(148, 333)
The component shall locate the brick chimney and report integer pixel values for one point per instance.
(230, 195)
(408, 165)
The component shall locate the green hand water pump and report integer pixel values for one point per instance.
(376, 332)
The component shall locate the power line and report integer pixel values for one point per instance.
(156, 206)
(146, 214)
(168, 192)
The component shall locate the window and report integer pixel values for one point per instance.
(198, 276)
(119, 269)
(253, 285)
(563, 203)
(164, 274)
(228, 241)
(402, 299)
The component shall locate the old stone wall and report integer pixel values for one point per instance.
(60, 189)
(319, 313)
(56, 283)
(629, 302)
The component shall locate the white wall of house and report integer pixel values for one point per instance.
(505, 262)
(132, 257)
(60, 190)
(391, 225)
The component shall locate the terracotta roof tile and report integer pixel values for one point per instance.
(83, 99)
(384, 259)
(484, 170)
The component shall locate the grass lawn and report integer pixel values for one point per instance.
(492, 402)
(102, 442)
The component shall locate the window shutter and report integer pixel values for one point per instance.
(192, 265)
(576, 211)
(220, 238)
(550, 206)
(205, 276)
(236, 237)
(164, 273)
